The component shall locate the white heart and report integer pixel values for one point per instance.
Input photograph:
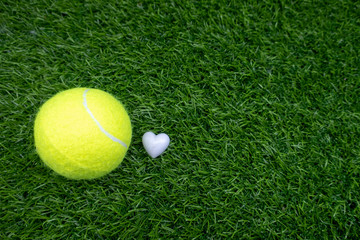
(155, 144)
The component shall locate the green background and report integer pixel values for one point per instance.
(260, 100)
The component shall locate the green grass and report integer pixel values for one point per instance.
(260, 100)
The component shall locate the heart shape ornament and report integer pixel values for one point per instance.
(155, 144)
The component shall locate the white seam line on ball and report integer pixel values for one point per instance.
(99, 125)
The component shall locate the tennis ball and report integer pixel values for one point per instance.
(82, 133)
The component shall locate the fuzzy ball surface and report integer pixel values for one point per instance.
(82, 133)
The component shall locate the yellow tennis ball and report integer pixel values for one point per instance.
(82, 133)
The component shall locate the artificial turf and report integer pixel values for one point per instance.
(260, 100)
